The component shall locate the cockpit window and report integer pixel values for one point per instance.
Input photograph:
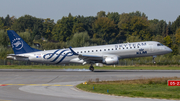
(160, 44)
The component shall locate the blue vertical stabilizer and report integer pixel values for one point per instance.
(18, 44)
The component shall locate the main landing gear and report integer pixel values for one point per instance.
(91, 68)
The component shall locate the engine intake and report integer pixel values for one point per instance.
(111, 60)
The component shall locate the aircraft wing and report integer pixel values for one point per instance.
(88, 58)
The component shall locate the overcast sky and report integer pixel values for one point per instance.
(167, 10)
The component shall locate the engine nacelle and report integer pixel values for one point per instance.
(111, 60)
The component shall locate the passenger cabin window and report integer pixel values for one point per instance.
(108, 49)
(104, 49)
(116, 48)
(112, 48)
(92, 50)
(126, 47)
(96, 50)
(88, 51)
(84, 51)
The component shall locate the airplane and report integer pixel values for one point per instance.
(106, 54)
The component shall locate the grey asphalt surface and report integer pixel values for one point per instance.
(68, 77)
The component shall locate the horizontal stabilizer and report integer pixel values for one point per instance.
(17, 57)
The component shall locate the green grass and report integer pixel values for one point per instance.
(148, 88)
(87, 67)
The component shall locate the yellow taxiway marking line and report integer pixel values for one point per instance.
(15, 84)
(34, 85)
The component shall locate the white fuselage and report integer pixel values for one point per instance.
(122, 50)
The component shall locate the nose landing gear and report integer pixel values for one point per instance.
(154, 60)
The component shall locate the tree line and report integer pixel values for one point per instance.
(79, 31)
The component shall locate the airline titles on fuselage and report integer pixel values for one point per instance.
(130, 45)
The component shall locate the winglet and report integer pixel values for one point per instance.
(74, 53)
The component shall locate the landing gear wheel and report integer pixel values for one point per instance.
(154, 60)
(91, 68)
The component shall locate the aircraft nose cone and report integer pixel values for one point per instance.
(169, 50)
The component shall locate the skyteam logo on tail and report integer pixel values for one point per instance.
(17, 43)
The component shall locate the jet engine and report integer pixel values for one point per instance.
(111, 60)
